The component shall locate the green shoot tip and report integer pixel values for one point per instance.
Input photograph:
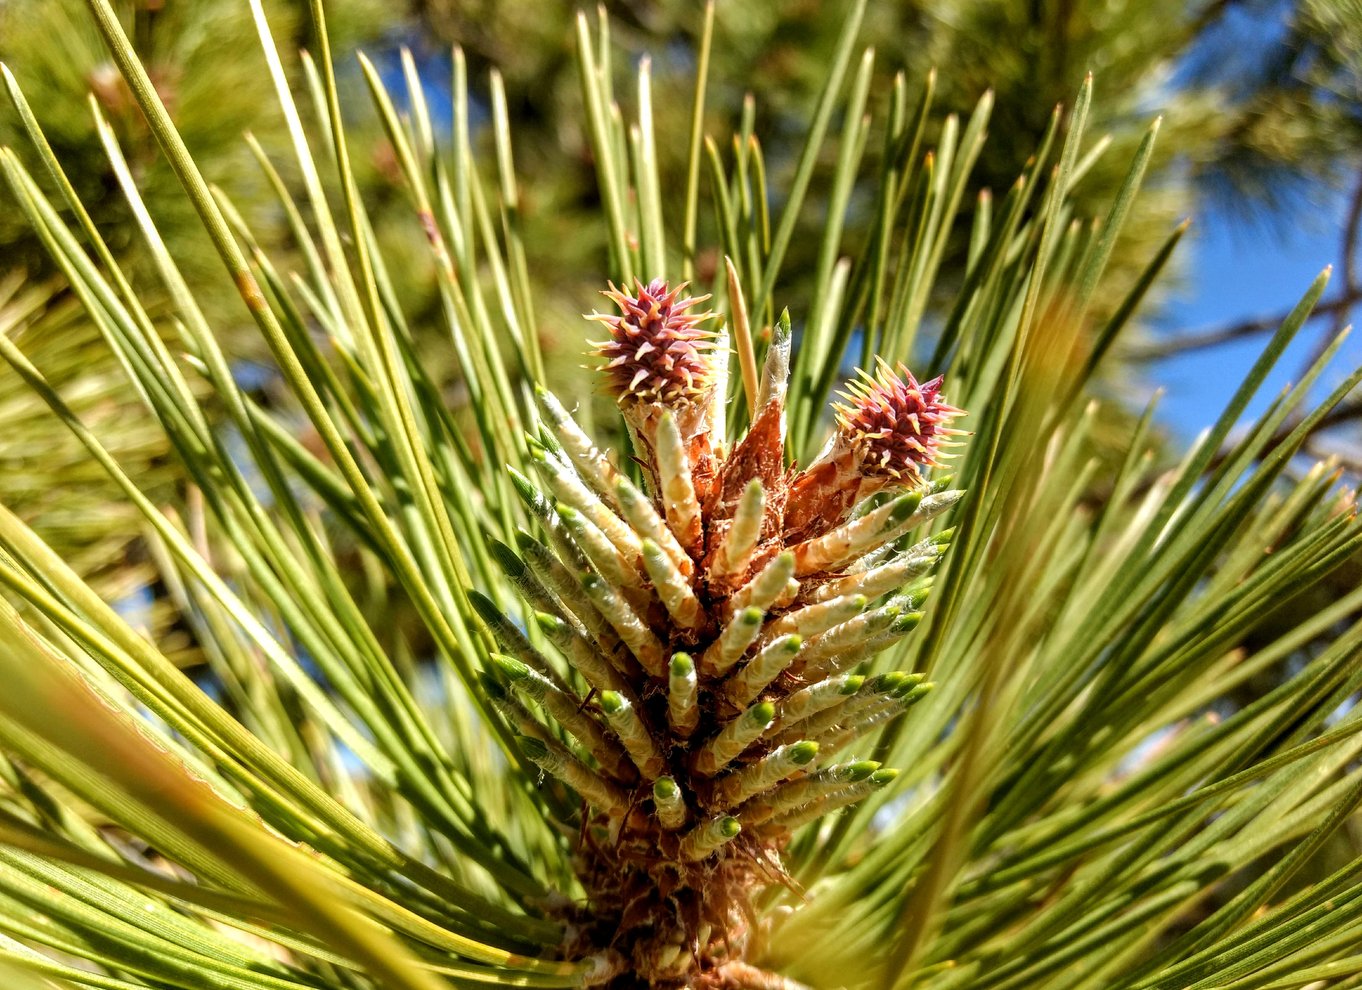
(506, 558)
(522, 485)
(860, 770)
(888, 683)
(490, 686)
(904, 506)
(802, 752)
(917, 693)
(549, 623)
(906, 622)
(484, 606)
(510, 666)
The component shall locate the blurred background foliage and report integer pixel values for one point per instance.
(1262, 99)
(1262, 104)
(197, 52)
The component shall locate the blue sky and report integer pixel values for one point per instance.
(1242, 270)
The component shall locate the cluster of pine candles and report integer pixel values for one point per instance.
(717, 617)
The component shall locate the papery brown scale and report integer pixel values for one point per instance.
(759, 455)
(822, 497)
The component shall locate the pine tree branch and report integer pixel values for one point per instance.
(1197, 340)
(1347, 412)
(1352, 226)
(1339, 308)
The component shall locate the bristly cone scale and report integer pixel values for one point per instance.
(714, 623)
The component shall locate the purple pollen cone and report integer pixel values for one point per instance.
(897, 423)
(657, 351)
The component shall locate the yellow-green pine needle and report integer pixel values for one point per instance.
(764, 774)
(744, 686)
(733, 738)
(705, 838)
(747, 360)
(624, 719)
(718, 404)
(670, 803)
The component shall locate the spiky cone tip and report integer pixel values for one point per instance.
(659, 363)
(658, 350)
(891, 430)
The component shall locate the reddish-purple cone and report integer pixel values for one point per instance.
(890, 431)
(897, 423)
(657, 351)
